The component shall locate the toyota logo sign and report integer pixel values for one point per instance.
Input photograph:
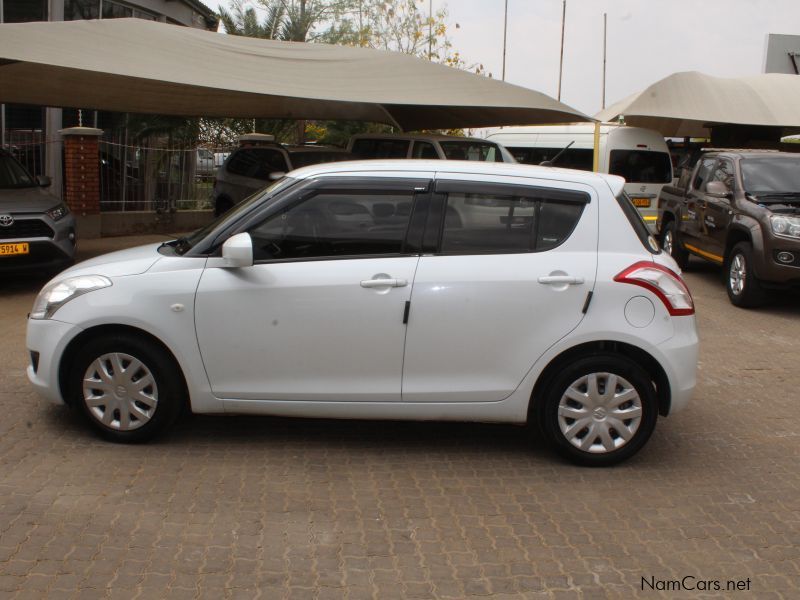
(6, 220)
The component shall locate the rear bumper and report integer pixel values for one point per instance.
(679, 361)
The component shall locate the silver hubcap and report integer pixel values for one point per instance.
(737, 274)
(120, 391)
(668, 242)
(599, 412)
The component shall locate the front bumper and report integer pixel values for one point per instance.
(52, 245)
(48, 338)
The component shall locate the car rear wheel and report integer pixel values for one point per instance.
(744, 290)
(127, 387)
(671, 245)
(599, 411)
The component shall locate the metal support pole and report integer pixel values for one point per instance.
(605, 41)
(505, 37)
(561, 62)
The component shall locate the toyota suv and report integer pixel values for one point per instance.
(415, 290)
(37, 230)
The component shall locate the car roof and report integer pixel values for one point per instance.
(437, 137)
(430, 168)
(749, 152)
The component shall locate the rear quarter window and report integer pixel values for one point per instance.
(380, 148)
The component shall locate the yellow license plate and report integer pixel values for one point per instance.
(11, 249)
(641, 202)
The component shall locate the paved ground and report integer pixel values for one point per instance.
(274, 508)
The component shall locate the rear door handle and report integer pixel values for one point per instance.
(561, 279)
(374, 283)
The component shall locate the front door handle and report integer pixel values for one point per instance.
(383, 282)
(561, 280)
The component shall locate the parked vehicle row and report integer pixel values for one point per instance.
(740, 210)
(474, 291)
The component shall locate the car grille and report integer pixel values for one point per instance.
(26, 228)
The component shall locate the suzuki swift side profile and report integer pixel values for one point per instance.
(386, 290)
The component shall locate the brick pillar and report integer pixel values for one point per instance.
(82, 178)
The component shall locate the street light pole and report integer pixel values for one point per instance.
(605, 38)
(505, 37)
(430, 30)
(561, 62)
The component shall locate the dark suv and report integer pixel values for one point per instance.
(739, 209)
(252, 168)
(36, 228)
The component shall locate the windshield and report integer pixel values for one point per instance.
(13, 175)
(641, 166)
(184, 244)
(466, 150)
(771, 175)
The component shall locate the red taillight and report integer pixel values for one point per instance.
(663, 282)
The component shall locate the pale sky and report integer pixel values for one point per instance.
(647, 40)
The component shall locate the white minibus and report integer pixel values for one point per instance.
(639, 155)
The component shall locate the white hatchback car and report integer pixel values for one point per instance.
(386, 290)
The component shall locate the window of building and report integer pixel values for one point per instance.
(76, 10)
(114, 10)
(23, 11)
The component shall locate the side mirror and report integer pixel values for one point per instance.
(43, 181)
(717, 189)
(237, 251)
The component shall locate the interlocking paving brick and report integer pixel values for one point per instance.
(243, 507)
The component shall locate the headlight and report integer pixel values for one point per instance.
(58, 212)
(57, 294)
(785, 226)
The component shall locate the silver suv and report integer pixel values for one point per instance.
(36, 228)
(252, 168)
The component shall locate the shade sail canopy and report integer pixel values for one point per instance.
(688, 104)
(133, 65)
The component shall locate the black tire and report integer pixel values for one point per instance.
(749, 294)
(596, 422)
(670, 242)
(168, 388)
(221, 206)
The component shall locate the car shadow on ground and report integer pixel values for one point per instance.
(300, 439)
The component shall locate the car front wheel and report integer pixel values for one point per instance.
(127, 387)
(599, 411)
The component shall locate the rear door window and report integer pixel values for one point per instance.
(520, 221)
(466, 150)
(641, 166)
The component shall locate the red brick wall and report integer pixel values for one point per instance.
(82, 174)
